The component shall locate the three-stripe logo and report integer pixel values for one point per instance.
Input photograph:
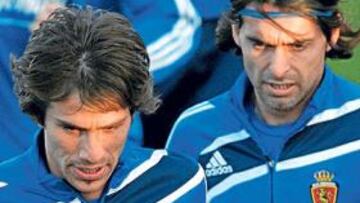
(217, 166)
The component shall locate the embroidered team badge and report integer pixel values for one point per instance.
(324, 190)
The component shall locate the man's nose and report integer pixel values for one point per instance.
(279, 64)
(90, 148)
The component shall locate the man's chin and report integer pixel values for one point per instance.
(89, 189)
(282, 105)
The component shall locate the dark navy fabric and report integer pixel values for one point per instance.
(156, 182)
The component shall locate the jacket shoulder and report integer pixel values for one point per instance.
(202, 124)
(163, 177)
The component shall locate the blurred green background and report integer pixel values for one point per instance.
(350, 68)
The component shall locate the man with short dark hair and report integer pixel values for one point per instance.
(82, 76)
(288, 129)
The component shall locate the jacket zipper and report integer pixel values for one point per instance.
(271, 165)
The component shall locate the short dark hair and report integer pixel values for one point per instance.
(94, 52)
(343, 49)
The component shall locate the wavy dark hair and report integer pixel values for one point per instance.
(94, 52)
(343, 49)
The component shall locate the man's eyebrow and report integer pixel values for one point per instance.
(258, 40)
(296, 41)
(300, 41)
(74, 126)
(255, 39)
(114, 124)
(66, 124)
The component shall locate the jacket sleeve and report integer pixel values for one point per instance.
(171, 32)
(193, 191)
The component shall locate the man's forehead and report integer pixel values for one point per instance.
(301, 27)
(73, 112)
(73, 103)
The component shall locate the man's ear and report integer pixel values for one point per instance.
(236, 34)
(335, 34)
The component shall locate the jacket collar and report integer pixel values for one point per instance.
(321, 100)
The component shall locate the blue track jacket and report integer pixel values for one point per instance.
(320, 160)
(142, 175)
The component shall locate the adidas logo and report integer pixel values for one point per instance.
(217, 166)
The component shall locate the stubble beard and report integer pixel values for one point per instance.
(283, 106)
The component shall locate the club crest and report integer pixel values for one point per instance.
(324, 190)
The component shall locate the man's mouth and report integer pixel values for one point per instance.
(280, 89)
(89, 173)
(282, 86)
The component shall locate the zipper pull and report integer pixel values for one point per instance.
(271, 163)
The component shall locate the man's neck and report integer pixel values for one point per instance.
(92, 196)
(274, 117)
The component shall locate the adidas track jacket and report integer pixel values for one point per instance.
(320, 161)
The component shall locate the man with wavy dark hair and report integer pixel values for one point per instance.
(288, 129)
(82, 76)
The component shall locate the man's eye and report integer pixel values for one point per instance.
(71, 130)
(110, 129)
(259, 45)
(298, 46)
